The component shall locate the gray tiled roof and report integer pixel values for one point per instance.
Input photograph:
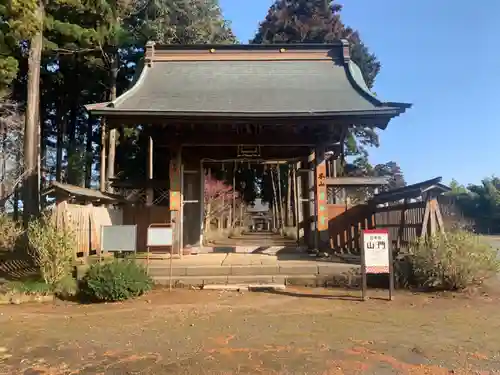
(248, 87)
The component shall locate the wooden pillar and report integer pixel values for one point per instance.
(232, 211)
(297, 203)
(150, 190)
(311, 192)
(300, 203)
(175, 177)
(202, 203)
(280, 201)
(321, 198)
(102, 172)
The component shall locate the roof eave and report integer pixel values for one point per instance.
(353, 73)
(382, 112)
(101, 109)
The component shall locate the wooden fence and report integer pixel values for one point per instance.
(404, 222)
(85, 223)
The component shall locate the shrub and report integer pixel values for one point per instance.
(454, 261)
(52, 250)
(67, 287)
(9, 233)
(115, 281)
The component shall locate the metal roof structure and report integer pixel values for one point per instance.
(269, 81)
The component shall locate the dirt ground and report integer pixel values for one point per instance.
(300, 331)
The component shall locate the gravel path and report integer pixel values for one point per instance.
(297, 332)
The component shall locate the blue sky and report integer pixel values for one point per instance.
(440, 55)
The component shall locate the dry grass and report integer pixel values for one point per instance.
(302, 331)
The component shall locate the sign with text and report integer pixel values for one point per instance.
(118, 238)
(321, 196)
(159, 236)
(376, 247)
(376, 258)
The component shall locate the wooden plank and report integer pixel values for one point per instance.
(425, 221)
(243, 56)
(356, 181)
(439, 218)
(432, 216)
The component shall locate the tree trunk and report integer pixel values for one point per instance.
(42, 148)
(112, 133)
(61, 127)
(3, 169)
(73, 151)
(30, 196)
(16, 188)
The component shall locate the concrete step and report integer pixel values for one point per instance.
(280, 269)
(309, 280)
(244, 287)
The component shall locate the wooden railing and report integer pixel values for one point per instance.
(404, 222)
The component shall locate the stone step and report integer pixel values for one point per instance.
(286, 268)
(244, 287)
(309, 280)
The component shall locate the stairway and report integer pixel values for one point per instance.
(303, 273)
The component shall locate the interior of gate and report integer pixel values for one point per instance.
(248, 195)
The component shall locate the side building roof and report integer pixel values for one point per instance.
(251, 81)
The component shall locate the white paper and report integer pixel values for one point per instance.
(159, 236)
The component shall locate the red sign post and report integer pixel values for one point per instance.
(376, 258)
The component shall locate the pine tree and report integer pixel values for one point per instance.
(46, 28)
(17, 23)
(314, 21)
(318, 21)
(181, 22)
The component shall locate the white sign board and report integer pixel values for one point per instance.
(118, 238)
(376, 250)
(159, 236)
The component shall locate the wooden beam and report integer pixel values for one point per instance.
(440, 219)
(425, 220)
(432, 216)
(357, 181)
(264, 139)
(285, 120)
(230, 153)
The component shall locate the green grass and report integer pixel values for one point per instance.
(28, 287)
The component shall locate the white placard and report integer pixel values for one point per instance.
(159, 236)
(118, 238)
(376, 251)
